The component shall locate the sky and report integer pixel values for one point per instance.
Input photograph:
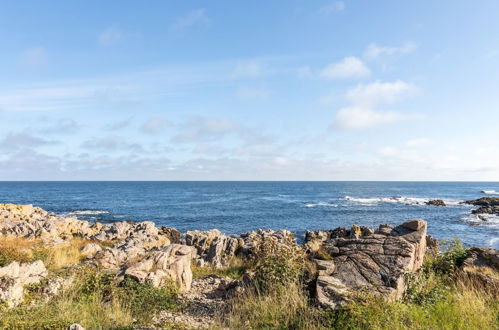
(249, 90)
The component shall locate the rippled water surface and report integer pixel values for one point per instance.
(235, 207)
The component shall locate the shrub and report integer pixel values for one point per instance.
(277, 264)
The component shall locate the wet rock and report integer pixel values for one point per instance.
(436, 202)
(486, 210)
(484, 201)
(14, 277)
(375, 262)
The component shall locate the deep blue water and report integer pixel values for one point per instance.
(235, 207)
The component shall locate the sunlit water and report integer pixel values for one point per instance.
(235, 207)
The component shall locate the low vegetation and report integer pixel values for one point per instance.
(438, 297)
(94, 300)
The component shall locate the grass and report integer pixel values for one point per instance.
(235, 270)
(436, 298)
(95, 301)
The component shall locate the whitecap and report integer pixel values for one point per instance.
(321, 204)
(398, 200)
(85, 212)
(490, 192)
(482, 219)
(494, 242)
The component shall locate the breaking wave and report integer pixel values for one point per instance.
(482, 219)
(326, 204)
(84, 212)
(398, 200)
(490, 192)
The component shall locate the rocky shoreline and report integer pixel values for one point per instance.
(345, 261)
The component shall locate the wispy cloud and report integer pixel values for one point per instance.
(376, 93)
(248, 69)
(194, 17)
(16, 141)
(373, 50)
(34, 57)
(200, 129)
(155, 125)
(364, 100)
(335, 7)
(349, 67)
(111, 36)
(251, 93)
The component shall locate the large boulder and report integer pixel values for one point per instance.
(213, 248)
(169, 263)
(376, 262)
(435, 202)
(14, 277)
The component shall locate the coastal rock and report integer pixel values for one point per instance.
(376, 262)
(436, 202)
(482, 257)
(213, 248)
(484, 201)
(172, 262)
(254, 240)
(89, 250)
(487, 210)
(15, 276)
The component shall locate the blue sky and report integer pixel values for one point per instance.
(233, 90)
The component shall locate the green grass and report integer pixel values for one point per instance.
(95, 301)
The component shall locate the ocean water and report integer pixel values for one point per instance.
(235, 207)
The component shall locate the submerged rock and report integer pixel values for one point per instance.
(376, 263)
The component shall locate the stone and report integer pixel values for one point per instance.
(172, 262)
(376, 263)
(89, 250)
(213, 248)
(75, 326)
(484, 201)
(14, 277)
(436, 202)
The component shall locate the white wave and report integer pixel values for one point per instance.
(494, 243)
(321, 204)
(490, 192)
(398, 200)
(482, 219)
(85, 212)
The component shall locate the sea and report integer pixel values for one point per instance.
(237, 207)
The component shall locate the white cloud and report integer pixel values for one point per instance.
(155, 125)
(332, 8)
(111, 36)
(34, 57)
(380, 93)
(418, 142)
(194, 17)
(249, 93)
(349, 67)
(201, 129)
(359, 118)
(374, 50)
(364, 99)
(248, 69)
